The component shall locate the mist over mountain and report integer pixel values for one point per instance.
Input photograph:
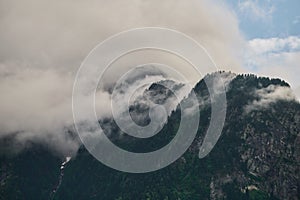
(256, 157)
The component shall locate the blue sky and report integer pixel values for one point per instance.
(272, 30)
(267, 18)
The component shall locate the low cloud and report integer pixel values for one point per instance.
(273, 45)
(36, 106)
(275, 57)
(43, 43)
(267, 96)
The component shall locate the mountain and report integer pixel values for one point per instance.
(256, 157)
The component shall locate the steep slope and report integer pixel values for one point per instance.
(256, 157)
(32, 174)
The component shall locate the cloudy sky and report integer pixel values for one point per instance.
(43, 43)
(272, 31)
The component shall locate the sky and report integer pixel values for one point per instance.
(43, 43)
(272, 30)
(267, 18)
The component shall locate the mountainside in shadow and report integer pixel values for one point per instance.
(256, 157)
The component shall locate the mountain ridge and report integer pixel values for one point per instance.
(256, 157)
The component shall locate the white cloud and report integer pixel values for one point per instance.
(271, 45)
(268, 95)
(275, 57)
(296, 20)
(43, 43)
(255, 10)
(297, 93)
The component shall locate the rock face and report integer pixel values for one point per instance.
(256, 157)
(267, 151)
